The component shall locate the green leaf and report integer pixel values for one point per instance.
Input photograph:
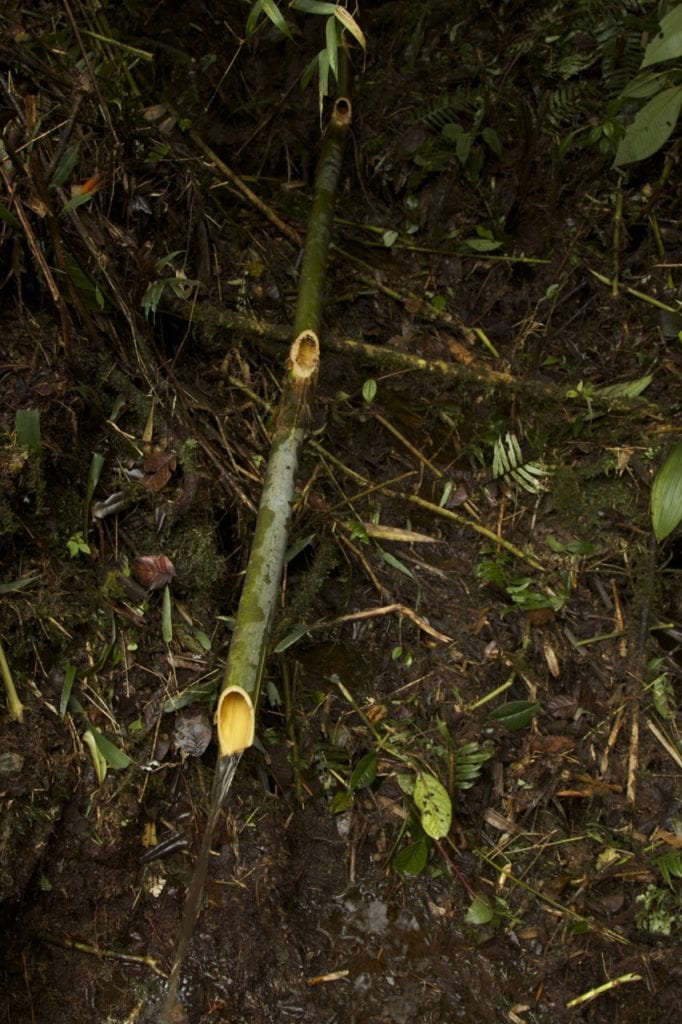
(433, 802)
(369, 390)
(309, 71)
(332, 46)
(291, 638)
(94, 473)
(411, 860)
(667, 45)
(205, 690)
(87, 289)
(113, 757)
(323, 71)
(273, 12)
(666, 495)
(313, 7)
(98, 759)
(27, 429)
(395, 563)
(651, 128)
(166, 616)
(350, 24)
(8, 217)
(67, 686)
(670, 865)
(7, 588)
(64, 168)
(515, 714)
(341, 801)
(625, 389)
(482, 244)
(252, 20)
(406, 783)
(480, 912)
(364, 773)
(75, 201)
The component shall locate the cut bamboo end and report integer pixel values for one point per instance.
(304, 356)
(235, 721)
(342, 113)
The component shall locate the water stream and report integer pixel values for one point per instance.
(222, 780)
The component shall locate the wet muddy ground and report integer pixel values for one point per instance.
(555, 895)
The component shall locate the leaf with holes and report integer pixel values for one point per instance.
(433, 804)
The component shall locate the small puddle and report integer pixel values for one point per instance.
(170, 1012)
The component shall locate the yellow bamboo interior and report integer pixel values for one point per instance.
(235, 721)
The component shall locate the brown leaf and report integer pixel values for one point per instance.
(153, 571)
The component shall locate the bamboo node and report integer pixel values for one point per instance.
(304, 356)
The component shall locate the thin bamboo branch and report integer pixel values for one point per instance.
(236, 712)
(242, 187)
(14, 706)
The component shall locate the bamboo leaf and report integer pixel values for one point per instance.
(350, 24)
(332, 46)
(313, 7)
(166, 616)
(272, 11)
(252, 20)
(433, 802)
(67, 686)
(7, 588)
(291, 638)
(395, 563)
(666, 495)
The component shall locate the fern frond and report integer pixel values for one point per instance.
(469, 759)
(508, 463)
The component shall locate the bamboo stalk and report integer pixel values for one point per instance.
(238, 701)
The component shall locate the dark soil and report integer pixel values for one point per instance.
(561, 871)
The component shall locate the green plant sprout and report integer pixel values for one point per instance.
(77, 545)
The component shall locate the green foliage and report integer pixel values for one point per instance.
(434, 805)
(498, 570)
(515, 714)
(666, 495)
(508, 463)
(27, 429)
(458, 132)
(661, 88)
(670, 865)
(180, 285)
(77, 545)
(660, 911)
(338, 21)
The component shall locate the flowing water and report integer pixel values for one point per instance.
(224, 774)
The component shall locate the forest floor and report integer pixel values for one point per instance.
(473, 597)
